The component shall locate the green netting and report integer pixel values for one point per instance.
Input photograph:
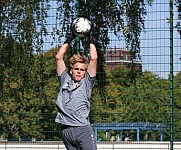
(138, 79)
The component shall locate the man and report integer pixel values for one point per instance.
(73, 100)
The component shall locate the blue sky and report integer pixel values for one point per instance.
(155, 40)
(155, 46)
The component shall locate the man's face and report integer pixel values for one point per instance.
(78, 71)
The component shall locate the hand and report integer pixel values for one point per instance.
(69, 37)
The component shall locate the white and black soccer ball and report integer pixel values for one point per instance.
(81, 26)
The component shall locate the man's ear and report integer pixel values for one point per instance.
(70, 71)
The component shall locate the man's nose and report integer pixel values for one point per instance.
(79, 71)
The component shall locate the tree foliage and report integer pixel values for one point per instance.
(28, 85)
(20, 80)
(147, 100)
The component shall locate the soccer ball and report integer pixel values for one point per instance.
(81, 26)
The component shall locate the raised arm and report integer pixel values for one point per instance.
(92, 67)
(60, 64)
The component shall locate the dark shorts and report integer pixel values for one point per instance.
(78, 138)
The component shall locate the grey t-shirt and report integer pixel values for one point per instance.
(73, 101)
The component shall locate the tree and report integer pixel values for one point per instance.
(177, 105)
(27, 75)
(147, 100)
(19, 25)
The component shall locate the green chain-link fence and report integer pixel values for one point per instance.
(138, 80)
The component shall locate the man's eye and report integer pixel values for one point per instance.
(79, 69)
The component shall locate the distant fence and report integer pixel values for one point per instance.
(52, 145)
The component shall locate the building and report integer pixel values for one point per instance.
(116, 57)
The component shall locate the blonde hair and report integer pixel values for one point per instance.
(78, 58)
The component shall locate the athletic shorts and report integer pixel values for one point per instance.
(78, 138)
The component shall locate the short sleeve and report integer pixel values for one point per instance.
(90, 81)
(62, 77)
